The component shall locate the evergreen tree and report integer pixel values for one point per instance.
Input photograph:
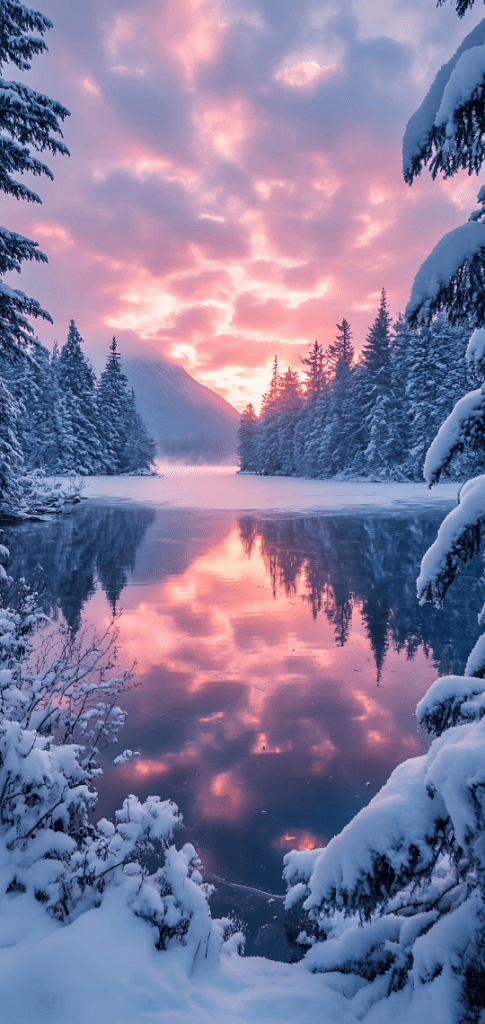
(340, 353)
(27, 119)
(10, 452)
(290, 396)
(315, 372)
(41, 425)
(112, 400)
(139, 449)
(269, 404)
(77, 384)
(375, 352)
(247, 436)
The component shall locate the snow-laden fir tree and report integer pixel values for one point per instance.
(395, 904)
(27, 119)
(315, 371)
(77, 384)
(247, 439)
(377, 437)
(111, 401)
(43, 422)
(333, 455)
(139, 450)
(29, 124)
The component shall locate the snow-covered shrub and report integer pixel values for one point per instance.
(58, 706)
(397, 900)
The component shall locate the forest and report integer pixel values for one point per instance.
(373, 415)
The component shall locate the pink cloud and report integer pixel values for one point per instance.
(262, 314)
(212, 197)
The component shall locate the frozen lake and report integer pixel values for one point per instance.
(280, 649)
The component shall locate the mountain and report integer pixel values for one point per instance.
(188, 420)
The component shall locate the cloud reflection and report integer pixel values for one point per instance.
(280, 660)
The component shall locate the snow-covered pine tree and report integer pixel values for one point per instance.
(10, 452)
(42, 423)
(334, 449)
(437, 375)
(125, 443)
(410, 866)
(77, 384)
(269, 403)
(341, 350)
(111, 400)
(139, 450)
(247, 438)
(290, 405)
(268, 460)
(27, 119)
(315, 371)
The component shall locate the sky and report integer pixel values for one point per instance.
(234, 187)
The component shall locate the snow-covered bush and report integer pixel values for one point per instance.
(58, 706)
(397, 900)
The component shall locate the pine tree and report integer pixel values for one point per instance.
(247, 437)
(139, 450)
(375, 352)
(111, 400)
(269, 404)
(291, 395)
(27, 119)
(340, 353)
(378, 439)
(77, 384)
(10, 451)
(315, 372)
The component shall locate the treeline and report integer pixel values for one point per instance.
(372, 417)
(65, 421)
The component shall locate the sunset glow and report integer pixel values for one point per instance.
(235, 184)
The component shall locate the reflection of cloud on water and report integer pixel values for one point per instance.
(257, 693)
(253, 703)
(299, 839)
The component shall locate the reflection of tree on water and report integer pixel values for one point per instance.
(95, 544)
(369, 562)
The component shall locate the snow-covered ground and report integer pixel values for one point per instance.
(221, 487)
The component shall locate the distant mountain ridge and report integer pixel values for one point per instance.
(181, 414)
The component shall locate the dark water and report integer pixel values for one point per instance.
(280, 660)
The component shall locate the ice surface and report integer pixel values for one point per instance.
(223, 488)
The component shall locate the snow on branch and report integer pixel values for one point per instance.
(451, 115)
(464, 426)
(393, 840)
(452, 277)
(459, 539)
(450, 701)
(475, 353)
